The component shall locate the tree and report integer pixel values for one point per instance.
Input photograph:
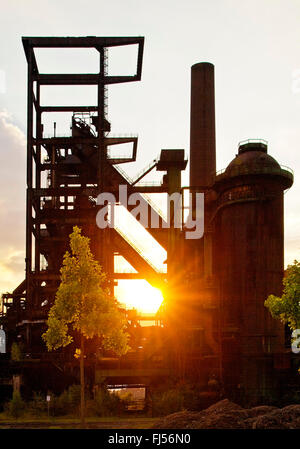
(287, 307)
(83, 304)
(15, 352)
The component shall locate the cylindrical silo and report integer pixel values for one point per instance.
(248, 261)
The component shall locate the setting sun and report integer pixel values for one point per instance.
(139, 294)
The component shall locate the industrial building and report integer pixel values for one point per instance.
(212, 323)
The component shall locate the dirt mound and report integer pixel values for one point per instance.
(227, 420)
(228, 415)
(285, 418)
(178, 420)
(200, 420)
(261, 410)
(223, 406)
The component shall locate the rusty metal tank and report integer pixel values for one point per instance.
(249, 263)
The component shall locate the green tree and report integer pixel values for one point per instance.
(82, 303)
(15, 352)
(287, 307)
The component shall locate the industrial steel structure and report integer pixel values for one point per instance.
(212, 323)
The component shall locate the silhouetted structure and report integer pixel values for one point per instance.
(215, 324)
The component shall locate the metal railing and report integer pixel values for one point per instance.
(112, 135)
(236, 171)
(111, 155)
(149, 184)
(244, 142)
(144, 195)
(145, 171)
(155, 207)
(124, 174)
(139, 176)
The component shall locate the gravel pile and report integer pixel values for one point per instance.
(228, 415)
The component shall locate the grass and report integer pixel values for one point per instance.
(116, 422)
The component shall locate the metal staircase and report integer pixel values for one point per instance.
(159, 233)
(130, 250)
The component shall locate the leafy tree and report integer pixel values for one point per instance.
(15, 352)
(83, 304)
(287, 308)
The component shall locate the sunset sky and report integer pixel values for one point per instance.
(254, 45)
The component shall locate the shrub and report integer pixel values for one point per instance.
(194, 399)
(293, 397)
(16, 405)
(167, 402)
(74, 397)
(177, 395)
(67, 402)
(107, 404)
(60, 404)
(38, 405)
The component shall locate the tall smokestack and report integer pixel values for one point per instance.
(202, 137)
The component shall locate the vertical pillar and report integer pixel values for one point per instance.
(29, 181)
(202, 131)
(174, 187)
(38, 134)
(202, 153)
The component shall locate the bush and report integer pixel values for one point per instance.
(169, 401)
(68, 402)
(293, 397)
(74, 397)
(107, 404)
(182, 396)
(38, 405)
(194, 399)
(59, 405)
(16, 406)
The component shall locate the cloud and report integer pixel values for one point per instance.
(12, 202)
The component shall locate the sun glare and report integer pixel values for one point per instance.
(139, 294)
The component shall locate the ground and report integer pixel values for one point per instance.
(73, 423)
